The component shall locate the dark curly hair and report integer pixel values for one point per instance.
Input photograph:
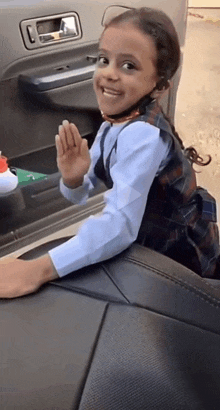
(159, 26)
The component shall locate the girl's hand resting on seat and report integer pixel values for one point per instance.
(19, 277)
(73, 158)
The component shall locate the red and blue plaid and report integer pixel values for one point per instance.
(180, 217)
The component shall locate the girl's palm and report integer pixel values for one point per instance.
(73, 157)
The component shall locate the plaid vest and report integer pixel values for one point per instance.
(180, 218)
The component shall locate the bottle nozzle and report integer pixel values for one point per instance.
(3, 163)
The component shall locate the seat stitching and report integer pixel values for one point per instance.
(114, 283)
(211, 300)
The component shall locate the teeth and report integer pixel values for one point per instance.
(110, 92)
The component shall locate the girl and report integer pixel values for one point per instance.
(152, 196)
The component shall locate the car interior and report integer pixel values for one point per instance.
(138, 331)
(49, 54)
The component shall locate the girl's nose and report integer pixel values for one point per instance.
(111, 72)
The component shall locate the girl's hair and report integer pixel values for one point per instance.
(159, 26)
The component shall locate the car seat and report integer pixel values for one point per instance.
(138, 331)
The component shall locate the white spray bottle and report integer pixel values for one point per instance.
(8, 180)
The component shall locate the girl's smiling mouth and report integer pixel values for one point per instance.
(110, 92)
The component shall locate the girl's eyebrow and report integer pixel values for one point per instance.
(123, 55)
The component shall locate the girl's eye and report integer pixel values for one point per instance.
(102, 60)
(129, 66)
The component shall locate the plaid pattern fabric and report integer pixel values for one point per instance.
(180, 218)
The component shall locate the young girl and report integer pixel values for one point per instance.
(152, 196)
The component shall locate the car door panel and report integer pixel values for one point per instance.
(45, 78)
(54, 71)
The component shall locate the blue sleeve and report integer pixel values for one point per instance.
(140, 151)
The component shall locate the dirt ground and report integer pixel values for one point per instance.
(197, 116)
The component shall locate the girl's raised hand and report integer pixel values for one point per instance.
(73, 159)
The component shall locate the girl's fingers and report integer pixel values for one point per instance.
(84, 148)
(62, 135)
(59, 146)
(69, 135)
(77, 136)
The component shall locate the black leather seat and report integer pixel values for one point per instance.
(138, 331)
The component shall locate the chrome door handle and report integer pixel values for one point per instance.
(68, 28)
(45, 31)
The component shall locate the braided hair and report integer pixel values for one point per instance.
(158, 25)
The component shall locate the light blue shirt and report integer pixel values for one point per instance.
(141, 154)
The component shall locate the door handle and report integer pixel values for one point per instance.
(45, 31)
(68, 28)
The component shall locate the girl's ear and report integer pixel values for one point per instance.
(160, 88)
(163, 84)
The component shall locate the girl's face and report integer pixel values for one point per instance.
(126, 68)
